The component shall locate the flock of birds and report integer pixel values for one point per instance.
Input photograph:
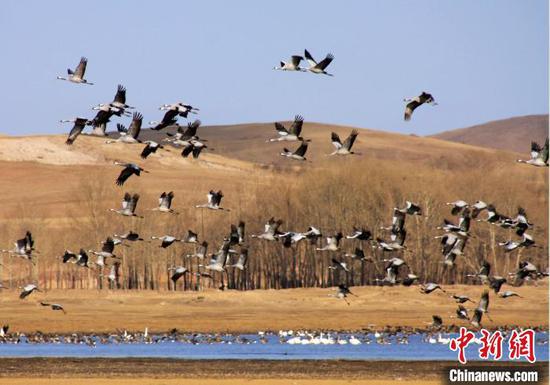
(398, 271)
(186, 136)
(387, 336)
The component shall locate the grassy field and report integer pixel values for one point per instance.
(252, 311)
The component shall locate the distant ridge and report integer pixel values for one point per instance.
(513, 134)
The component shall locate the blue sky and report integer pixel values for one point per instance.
(482, 60)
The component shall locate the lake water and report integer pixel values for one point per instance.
(418, 348)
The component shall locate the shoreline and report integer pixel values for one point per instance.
(177, 333)
(227, 369)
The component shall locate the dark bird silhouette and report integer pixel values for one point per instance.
(129, 170)
(150, 148)
(54, 306)
(78, 127)
(28, 290)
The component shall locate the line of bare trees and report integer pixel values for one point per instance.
(332, 199)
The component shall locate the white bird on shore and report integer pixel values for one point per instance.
(443, 340)
(354, 340)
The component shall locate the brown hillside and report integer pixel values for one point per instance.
(513, 134)
(249, 142)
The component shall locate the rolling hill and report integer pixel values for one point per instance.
(236, 154)
(513, 134)
(250, 143)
